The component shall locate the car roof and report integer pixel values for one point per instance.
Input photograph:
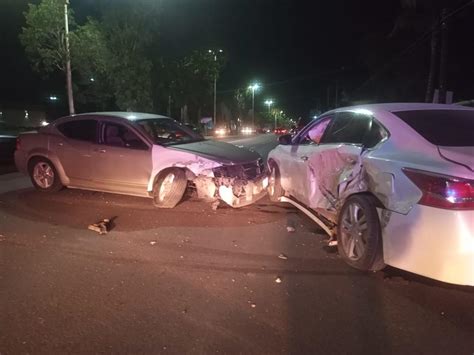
(402, 106)
(131, 116)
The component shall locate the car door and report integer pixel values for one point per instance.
(337, 160)
(306, 145)
(122, 159)
(73, 148)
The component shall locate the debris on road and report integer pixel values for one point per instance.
(278, 280)
(152, 242)
(100, 227)
(215, 205)
(283, 256)
(332, 243)
(290, 229)
(253, 305)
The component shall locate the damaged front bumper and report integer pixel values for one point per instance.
(248, 192)
(237, 186)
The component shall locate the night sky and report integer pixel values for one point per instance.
(297, 49)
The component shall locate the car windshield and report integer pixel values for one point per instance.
(448, 128)
(165, 131)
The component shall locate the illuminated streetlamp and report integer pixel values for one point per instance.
(269, 103)
(215, 53)
(254, 87)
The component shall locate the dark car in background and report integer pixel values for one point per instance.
(7, 148)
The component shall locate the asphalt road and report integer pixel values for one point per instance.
(194, 280)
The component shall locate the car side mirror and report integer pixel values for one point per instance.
(285, 139)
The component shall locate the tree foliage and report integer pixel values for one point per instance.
(43, 36)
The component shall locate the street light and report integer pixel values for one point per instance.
(269, 103)
(215, 53)
(254, 87)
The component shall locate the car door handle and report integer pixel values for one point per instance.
(304, 158)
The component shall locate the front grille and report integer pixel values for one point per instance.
(247, 171)
(253, 170)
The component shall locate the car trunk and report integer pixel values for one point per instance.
(459, 155)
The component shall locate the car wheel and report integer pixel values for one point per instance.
(275, 191)
(359, 235)
(44, 176)
(169, 188)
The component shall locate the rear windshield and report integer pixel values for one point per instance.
(450, 128)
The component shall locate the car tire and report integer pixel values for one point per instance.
(169, 188)
(275, 191)
(44, 175)
(359, 236)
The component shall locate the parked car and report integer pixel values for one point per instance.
(139, 154)
(7, 148)
(392, 184)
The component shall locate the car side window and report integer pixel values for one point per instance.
(375, 135)
(314, 134)
(348, 127)
(83, 130)
(117, 135)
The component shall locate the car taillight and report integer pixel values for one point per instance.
(18, 143)
(442, 191)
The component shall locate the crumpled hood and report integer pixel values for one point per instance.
(460, 155)
(221, 152)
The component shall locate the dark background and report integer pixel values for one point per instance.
(301, 51)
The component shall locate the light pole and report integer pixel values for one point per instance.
(269, 103)
(68, 62)
(215, 83)
(253, 87)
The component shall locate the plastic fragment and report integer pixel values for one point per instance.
(290, 229)
(282, 256)
(278, 280)
(100, 227)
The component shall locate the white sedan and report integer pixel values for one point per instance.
(392, 184)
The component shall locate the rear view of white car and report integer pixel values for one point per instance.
(392, 184)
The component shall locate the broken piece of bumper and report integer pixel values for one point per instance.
(242, 193)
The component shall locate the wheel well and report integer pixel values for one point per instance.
(188, 173)
(369, 194)
(30, 161)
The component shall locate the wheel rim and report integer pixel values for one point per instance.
(271, 182)
(165, 187)
(354, 231)
(43, 175)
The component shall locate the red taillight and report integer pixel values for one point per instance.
(18, 143)
(443, 191)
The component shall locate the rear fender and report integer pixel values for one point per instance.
(41, 152)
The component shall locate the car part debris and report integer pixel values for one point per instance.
(283, 256)
(100, 227)
(311, 215)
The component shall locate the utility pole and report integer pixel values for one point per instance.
(211, 51)
(68, 62)
(443, 60)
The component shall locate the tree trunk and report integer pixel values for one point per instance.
(433, 61)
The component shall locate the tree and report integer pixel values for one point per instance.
(91, 61)
(45, 41)
(129, 29)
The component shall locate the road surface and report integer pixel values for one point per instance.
(194, 280)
